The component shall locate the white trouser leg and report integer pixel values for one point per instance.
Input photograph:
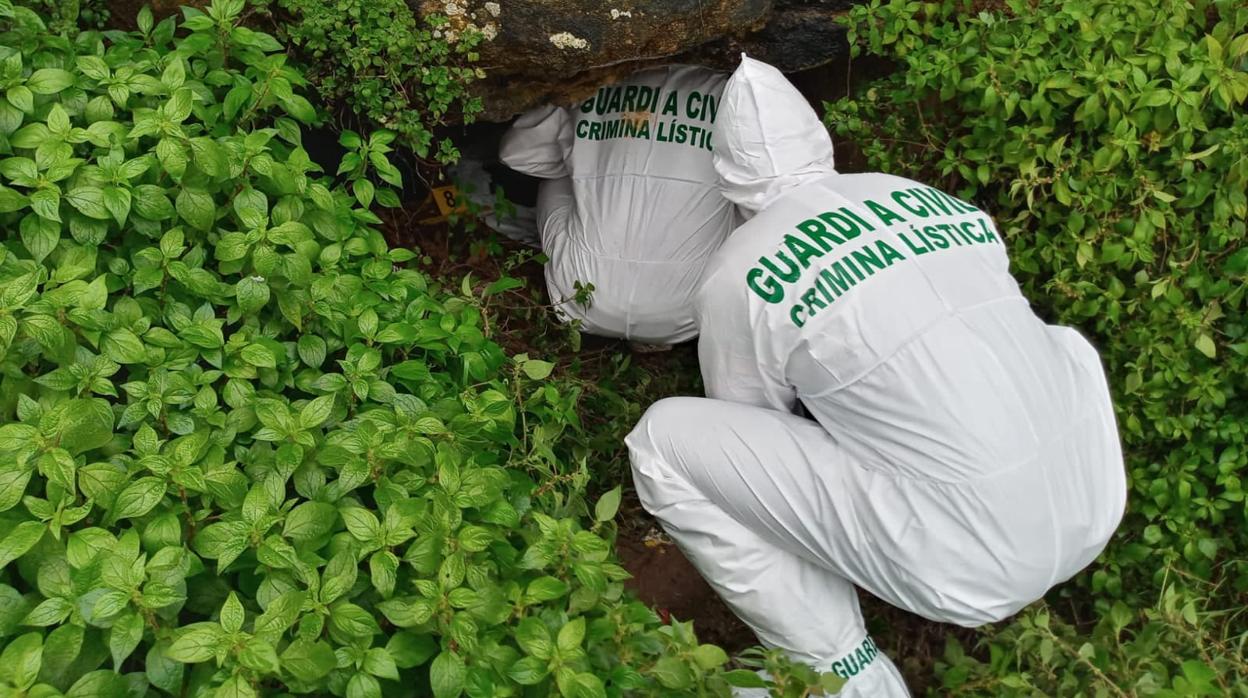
(734, 486)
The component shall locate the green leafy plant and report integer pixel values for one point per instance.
(1110, 139)
(247, 451)
(402, 72)
(69, 15)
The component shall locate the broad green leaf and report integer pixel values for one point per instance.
(139, 497)
(571, 635)
(86, 424)
(528, 671)
(831, 683)
(20, 539)
(237, 686)
(252, 293)
(742, 678)
(258, 355)
(316, 412)
(310, 520)
(534, 638)
(98, 684)
(124, 637)
(312, 350)
(40, 236)
(49, 81)
(672, 673)
(236, 99)
(175, 73)
(308, 661)
(89, 200)
(710, 657)
(12, 200)
(197, 642)
(61, 648)
(379, 663)
(13, 482)
(152, 203)
(350, 622)
(123, 346)
(172, 156)
(46, 202)
(589, 686)
(608, 504)
(59, 467)
(361, 523)
(232, 614)
(383, 571)
(222, 542)
(362, 685)
(280, 614)
(117, 200)
(446, 675)
(537, 370)
(22, 659)
(1205, 345)
(161, 671)
(252, 208)
(48, 612)
(407, 613)
(546, 589)
(196, 207)
(260, 656)
(21, 97)
(409, 650)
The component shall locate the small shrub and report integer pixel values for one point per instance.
(402, 72)
(1110, 139)
(68, 15)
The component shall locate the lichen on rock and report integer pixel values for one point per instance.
(568, 40)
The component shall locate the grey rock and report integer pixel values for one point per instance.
(560, 51)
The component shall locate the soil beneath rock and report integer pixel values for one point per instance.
(665, 580)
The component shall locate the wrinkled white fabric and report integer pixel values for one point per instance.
(734, 488)
(775, 142)
(963, 455)
(637, 212)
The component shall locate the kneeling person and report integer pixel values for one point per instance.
(963, 456)
(631, 205)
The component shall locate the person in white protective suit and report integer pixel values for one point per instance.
(963, 455)
(631, 204)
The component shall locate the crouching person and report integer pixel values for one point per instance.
(962, 457)
(630, 204)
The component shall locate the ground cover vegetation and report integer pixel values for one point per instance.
(1110, 140)
(407, 73)
(249, 449)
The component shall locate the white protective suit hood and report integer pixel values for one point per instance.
(771, 140)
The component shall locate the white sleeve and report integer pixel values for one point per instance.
(727, 351)
(538, 143)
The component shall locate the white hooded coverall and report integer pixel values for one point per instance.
(632, 204)
(963, 456)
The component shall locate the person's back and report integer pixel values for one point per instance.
(889, 312)
(886, 307)
(639, 213)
